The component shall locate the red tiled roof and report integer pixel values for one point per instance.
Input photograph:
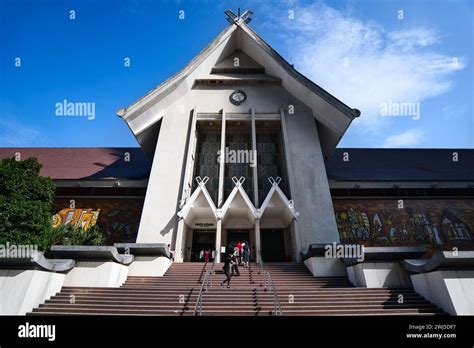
(86, 163)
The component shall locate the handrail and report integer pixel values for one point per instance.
(261, 262)
(204, 286)
(276, 301)
(268, 282)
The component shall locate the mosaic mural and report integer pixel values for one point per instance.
(118, 219)
(440, 224)
(84, 218)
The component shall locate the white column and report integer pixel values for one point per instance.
(218, 240)
(255, 187)
(180, 242)
(220, 199)
(254, 169)
(188, 175)
(257, 241)
(186, 191)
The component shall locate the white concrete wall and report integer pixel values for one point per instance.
(149, 266)
(159, 222)
(97, 274)
(325, 267)
(378, 275)
(23, 290)
(453, 291)
(310, 187)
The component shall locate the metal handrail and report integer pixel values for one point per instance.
(268, 282)
(204, 287)
(276, 301)
(261, 261)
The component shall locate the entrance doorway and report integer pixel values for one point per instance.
(273, 245)
(202, 240)
(234, 236)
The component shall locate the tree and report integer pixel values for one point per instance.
(25, 203)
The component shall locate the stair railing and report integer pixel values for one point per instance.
(268, 283)
(262, 271)
(205, 285)
(276, 301)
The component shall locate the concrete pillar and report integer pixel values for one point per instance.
(186, 191)
(188, 176)
(218, 240)
(257, 241)
(180, 239)
(254, 169)
(297, 241)
(220, 199)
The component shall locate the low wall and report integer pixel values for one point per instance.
(23, 290)
(451, 290)
(149, 266)
(378, 275)
(107, 274)
(325, 267)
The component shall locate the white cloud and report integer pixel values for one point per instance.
(407, 40)
(365, 65)
(409, 138)
(16, 134)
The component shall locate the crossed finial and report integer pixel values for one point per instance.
(238, 181)
(235, 18)
(275, 181)
(202, 181)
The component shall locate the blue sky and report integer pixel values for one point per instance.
(360, 51)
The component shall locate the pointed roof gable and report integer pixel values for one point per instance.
(332, 115)
(239, 63)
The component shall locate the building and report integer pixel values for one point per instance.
(238, 145)
(241, 99)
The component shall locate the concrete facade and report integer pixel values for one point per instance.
(312, 123)
(97, 273)
(325, 267)
(23, 290)
(451, 290)
(378, 275)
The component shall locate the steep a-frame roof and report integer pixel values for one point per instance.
(332, 115)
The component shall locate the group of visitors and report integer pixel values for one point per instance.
(207, 255)
(239, 256)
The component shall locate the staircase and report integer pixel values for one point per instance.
(302, 294)
(176, 294)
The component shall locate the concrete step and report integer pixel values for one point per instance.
(176, 293)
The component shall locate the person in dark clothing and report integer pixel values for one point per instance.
(226, 269)
(235, 265)
(246, 254)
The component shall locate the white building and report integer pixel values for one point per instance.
(238, 97)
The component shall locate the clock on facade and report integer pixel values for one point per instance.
(237, 97)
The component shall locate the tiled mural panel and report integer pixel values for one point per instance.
(437, 223)
(118, 218)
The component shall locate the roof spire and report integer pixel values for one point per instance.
(236, 19)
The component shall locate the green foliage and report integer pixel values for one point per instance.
(25, 209)
(25, 202)
(70, 235)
